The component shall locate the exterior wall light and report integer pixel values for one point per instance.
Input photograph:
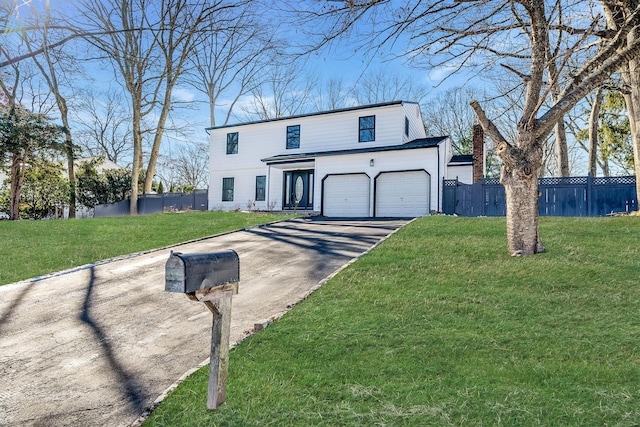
(371, 162)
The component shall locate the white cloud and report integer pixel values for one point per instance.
(183, 95)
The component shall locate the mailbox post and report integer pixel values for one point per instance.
(211, 278)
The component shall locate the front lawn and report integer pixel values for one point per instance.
(439, 326)
(34, 248)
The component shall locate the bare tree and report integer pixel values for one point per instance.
(191, 165)
(449, 114)
(230, 62)
(183, 27)
(331, 96)
(625, 38)
(53, 65)
(9, 71)
(286, 91)
(149, 43)
(593, 131)
(133, 54)
(588, 139)
(104, 125)
(384, 86)
(515, 34)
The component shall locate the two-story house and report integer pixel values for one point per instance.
(368, 161)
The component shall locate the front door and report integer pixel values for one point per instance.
(298, 189)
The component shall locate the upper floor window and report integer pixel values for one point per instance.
(261, 186)
(232, 143)
(293, 136)
(406, 126)
(367, 129)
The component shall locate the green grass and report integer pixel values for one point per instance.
(34, 248)
(439, 326)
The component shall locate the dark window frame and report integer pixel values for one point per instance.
(293, 137)
(367, 128)
(261, 188)
(232, 143)
(227, 191)
(406, 126)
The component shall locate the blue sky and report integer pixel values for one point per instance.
(344, 61)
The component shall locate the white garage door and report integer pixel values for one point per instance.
(402, 194)
(346, 195)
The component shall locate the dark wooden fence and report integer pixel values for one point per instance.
(153, 203)
(571, 196)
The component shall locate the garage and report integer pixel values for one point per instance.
(346, 195)
(402, 194)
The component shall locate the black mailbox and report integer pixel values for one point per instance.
(188, 273)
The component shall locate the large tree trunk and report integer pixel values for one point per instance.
(70, 164)
(633, 107)
(523, 235)
(631, 76)
(519, 175)
(616, 13)
(137, 159)
(593, 132)
(157, 140)
(212, 104)
(17, 179)
(562, 151)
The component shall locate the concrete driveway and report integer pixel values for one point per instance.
(98, 345)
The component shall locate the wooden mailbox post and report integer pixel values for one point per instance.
(211, 278)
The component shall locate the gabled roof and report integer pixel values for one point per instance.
(319, 113)
(461, 159)
(416, 143)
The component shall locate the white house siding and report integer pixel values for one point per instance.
(244, 189)
(385, 161)
(322, 132)
(464, 173)
(243, 167)
(416, 127)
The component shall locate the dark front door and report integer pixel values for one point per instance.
(298, 189)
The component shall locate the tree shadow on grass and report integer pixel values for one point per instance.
(131, 389)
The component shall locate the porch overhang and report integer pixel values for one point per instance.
(293, 164)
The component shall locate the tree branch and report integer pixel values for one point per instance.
(581, 84)
(487, 125)
(523, 76)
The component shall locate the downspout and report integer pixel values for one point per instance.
(268, 195)
(439, 195)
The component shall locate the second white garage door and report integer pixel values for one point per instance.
(402, 194)
(346, 195)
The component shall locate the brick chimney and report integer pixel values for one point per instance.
(478, 153)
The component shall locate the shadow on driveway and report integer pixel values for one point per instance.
(132, 391)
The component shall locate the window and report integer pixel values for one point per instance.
(367, 129)
(227, 189)
(406, 126)
(232, 143)
(261, 185)
(293, 136)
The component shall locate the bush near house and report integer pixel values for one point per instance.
(439, 326)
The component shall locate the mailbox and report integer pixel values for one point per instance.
(210, 278)
(188, 273)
